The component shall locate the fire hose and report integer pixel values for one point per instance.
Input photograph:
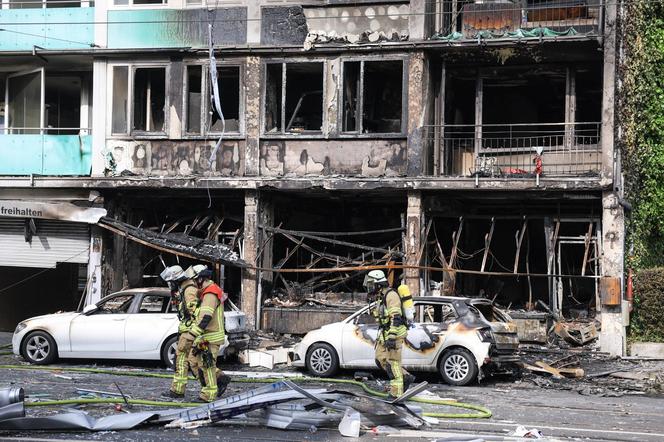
(480, 411)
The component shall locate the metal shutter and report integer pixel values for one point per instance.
(55, 241)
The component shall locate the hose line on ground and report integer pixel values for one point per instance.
(480, 411)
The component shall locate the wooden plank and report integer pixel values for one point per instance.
(586, 248)
(455, 240)
(519, 241)
(487, 243)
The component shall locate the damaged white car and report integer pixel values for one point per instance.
(461, 338)
(131, 324)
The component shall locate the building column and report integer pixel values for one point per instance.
(418, 110)
(612, 336)
(249, 276)
(414, 221)
(94, 283)
(252, 114)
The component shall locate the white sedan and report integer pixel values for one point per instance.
(461, 338)
(131, 324)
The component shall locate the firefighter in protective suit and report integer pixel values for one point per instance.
(185, 294)
(392, 331)
(208, 334)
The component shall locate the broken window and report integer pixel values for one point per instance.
(62, 106)
(145, 90)
(120, 97)
(149, 99)
(202, 117)
(372, 96)
(193, 96)
(294, 97)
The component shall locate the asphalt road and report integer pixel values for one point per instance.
(563, 412)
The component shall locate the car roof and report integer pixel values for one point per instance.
(464, 299)
(156, 290)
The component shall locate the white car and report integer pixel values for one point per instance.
(461, 338)
(131, 324)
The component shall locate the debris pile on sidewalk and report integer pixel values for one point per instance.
(282, 405)
(591, 372)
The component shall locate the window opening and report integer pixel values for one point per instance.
(300, 108)
(229, 90)
(154, 304)
(194, 94)
(120, 96)
(62, 107)
(149, 99)
(273, 97)
(372, 96)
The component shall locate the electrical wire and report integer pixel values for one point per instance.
(480, 412)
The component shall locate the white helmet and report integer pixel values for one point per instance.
(172, 273)
(374, 278)
(195, 271)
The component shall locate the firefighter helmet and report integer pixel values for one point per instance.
(172, 273)
(374, 278)
(198, 271)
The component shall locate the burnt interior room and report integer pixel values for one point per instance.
(131, 264)
(556, 237)
(361, 221)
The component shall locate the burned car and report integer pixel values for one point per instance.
(460, 338)
(131, 324)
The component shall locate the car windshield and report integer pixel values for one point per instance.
(117, 304)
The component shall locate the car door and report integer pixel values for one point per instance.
(101, 332)
(358, 339)
(149, 324)
(427, 334)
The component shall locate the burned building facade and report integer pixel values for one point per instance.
(469, 144)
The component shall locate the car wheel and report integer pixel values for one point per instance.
(322, 360)
(458, 367)
(39, 348)
(169, 351)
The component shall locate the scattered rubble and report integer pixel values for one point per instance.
(315, 37)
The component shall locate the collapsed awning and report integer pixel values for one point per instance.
(47, 210)
(176, 243)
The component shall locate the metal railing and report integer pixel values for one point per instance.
(518, 150)
(13, 130)
(40, 4)
(470, 20)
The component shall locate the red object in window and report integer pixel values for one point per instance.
(538, 164)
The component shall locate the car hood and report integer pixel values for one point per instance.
(52, 317)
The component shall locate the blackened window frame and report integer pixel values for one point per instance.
(340, 98)
(282, 132)
(205, 92)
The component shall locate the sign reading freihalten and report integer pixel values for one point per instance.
(61, 211)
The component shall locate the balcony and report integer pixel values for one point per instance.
(537, 19)
(25, 26)
(513, 151)
(45, 154)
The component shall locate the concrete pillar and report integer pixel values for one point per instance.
(414, 221)
(612, 335)
(608, 102)
(417, 111)
(99, 79)
(250, 247)
(252, 114)
(94, 284)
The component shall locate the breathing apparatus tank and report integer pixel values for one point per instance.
(406, 302)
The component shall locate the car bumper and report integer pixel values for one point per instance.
(297, 356)
(16, 342)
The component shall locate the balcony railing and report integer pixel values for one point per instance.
(46, 154)
(458, 20)
(518, 150)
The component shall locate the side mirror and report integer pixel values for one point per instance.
(89, 308)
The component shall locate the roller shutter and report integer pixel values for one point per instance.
(55, 241)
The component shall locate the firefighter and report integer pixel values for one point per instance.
(392, 331)
(185, 296)
(208, 334)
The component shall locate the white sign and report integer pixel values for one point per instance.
(61, 211)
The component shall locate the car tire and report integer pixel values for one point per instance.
(458, 367)
(322, 360)
(168, 352)
(39, 348)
